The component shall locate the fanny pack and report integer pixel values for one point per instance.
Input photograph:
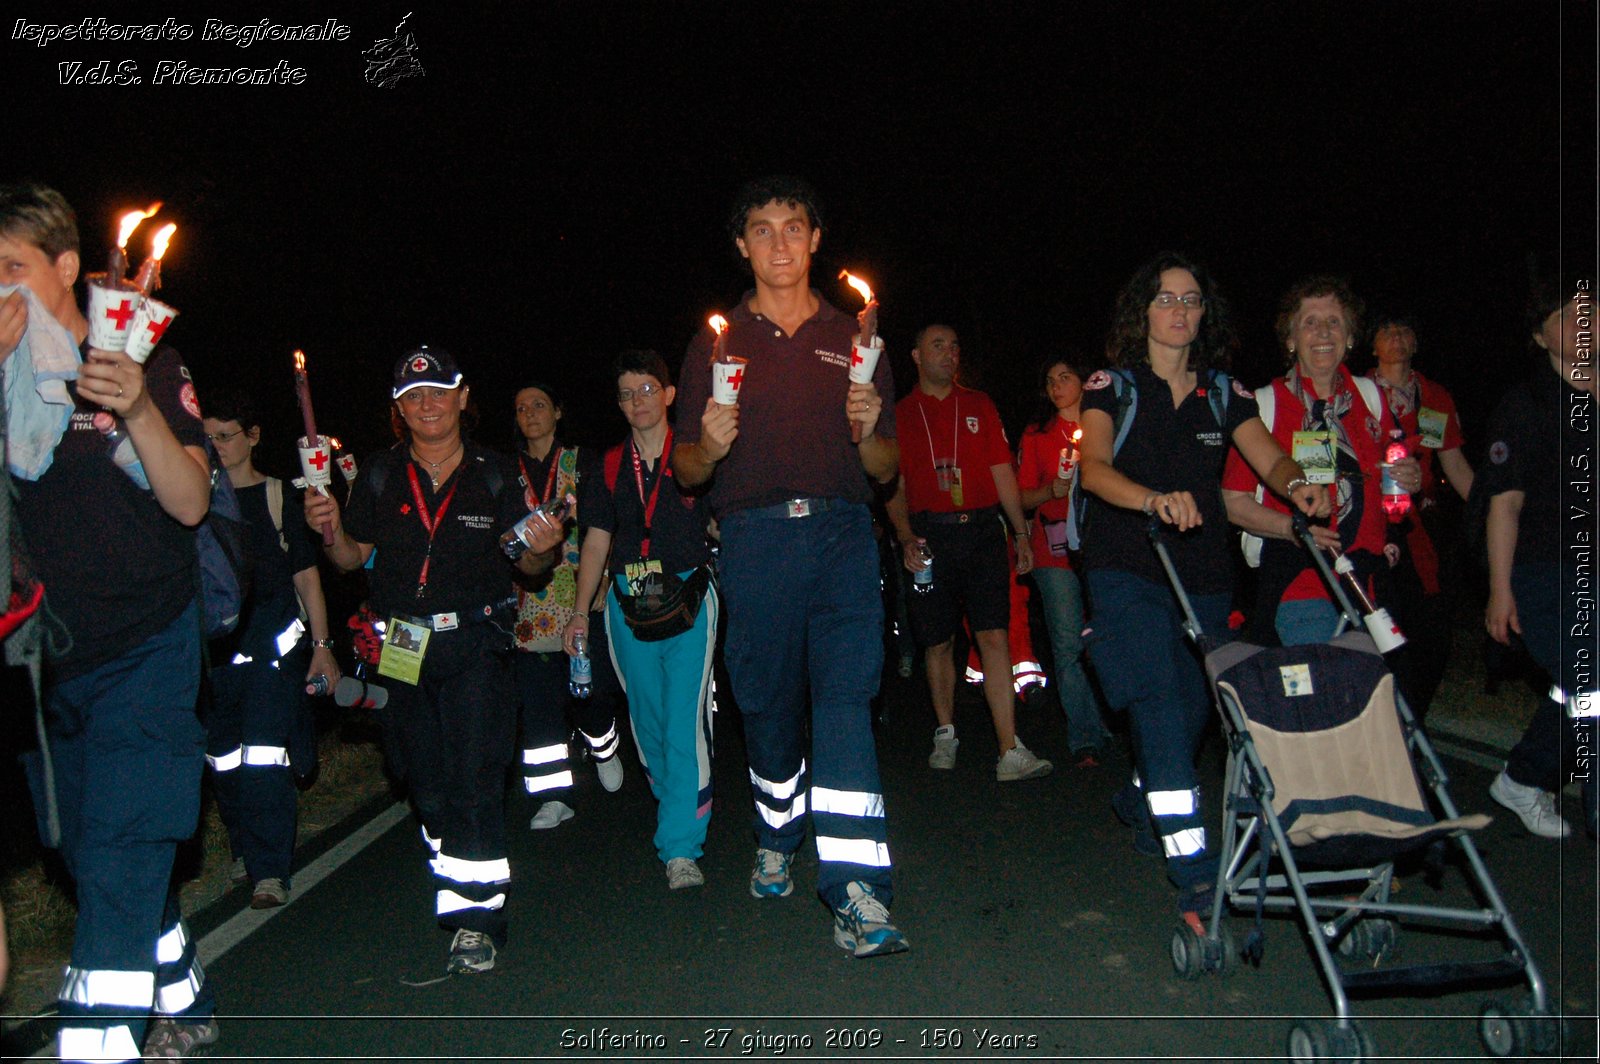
(663, 605)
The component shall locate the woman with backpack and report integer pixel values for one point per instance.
(1337, 427)
(1156, 429)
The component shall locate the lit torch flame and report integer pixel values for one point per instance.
(858, 284)
(131, 220)
(300, 361)
(718, 323)
(1077, 434)
(158, 243)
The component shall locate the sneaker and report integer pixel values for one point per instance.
(470, 951)
(172, 1039)
(269, 894)
(683, 872)
(1129, 805)
(550, 815)
(238, 874)
(862, 925)
(771, 876)
(944, 748)
(1535, 807)
(1019, 763)
(610, 771)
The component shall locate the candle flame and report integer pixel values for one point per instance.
(131, 220)
(858, 284)
(333, 441)
(300, 361)
(158, 243)
(718, 323)
(1077, 434)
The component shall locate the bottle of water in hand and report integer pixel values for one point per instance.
(922, 579)
(580, 671)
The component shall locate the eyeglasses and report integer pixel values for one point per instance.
(644, 391)
(224, 437)
(1166, 300)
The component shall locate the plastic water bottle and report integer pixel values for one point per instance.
(580, 671)
(120, 447)
(922, 579)
(319, 685)
(1396, 500)
(555, 510)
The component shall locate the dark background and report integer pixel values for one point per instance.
(555, 187)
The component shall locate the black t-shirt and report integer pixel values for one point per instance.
(677, 527)
(1167, 450)
(116, 567)
(468, 568)
(1542, 422)
(272, 605)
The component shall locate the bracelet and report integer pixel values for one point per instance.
(1150, 503)
(322, 644)
(1295, 482)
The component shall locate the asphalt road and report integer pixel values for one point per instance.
(1036, 932)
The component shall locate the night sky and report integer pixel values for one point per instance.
(555, 186)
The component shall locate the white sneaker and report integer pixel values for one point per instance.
(610, 771)
(1018, 763)
(551, 814)
(683, 872)
(944, 748)
(1536, 808)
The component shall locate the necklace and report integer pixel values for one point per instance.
(434, 467)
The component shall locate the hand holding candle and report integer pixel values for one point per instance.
(864, 358)
(315, 454)
(121, 318)
(727, 371)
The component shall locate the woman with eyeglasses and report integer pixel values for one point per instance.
(1337, 426)
(1156, 430)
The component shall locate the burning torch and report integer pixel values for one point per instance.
(868, 346)
(315, 454)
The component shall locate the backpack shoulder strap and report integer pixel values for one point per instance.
(1122, 385)
(275, 510)
(613, 466)
(1217, 393)
(1369, 395)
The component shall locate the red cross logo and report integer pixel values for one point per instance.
(419, 364)
(319, 459)
(736, 378)
(156, 328)
(122, 313)
(855, 357)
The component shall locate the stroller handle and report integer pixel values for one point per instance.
(1191, 623)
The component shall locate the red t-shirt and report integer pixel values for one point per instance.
(1038, 460)
(961, 431)
(1367, 429)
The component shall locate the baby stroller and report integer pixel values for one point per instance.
(1324, 790)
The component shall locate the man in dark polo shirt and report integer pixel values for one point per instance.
(435, 508)
(956, 481)
(799, 567)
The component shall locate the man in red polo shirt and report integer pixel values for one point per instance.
(955, 481)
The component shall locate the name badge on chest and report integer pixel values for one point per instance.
(1314, 451)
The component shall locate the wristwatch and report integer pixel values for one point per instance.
(323, 644)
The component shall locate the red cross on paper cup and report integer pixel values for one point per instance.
(864, 361)
(316, 461)
(347, 466)
(726, 380)
(111, 314)
(149, 323)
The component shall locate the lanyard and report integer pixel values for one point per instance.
(655, 492)
(549, 481)
(955, 435)
(430, 522)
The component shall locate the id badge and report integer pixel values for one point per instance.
(636, 571)
(942, 475)
(404, 647)
(1431, 425)
(957, 499)
(1313, 450)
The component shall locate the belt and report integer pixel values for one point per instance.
(959, 517)
(445, 622)
(803, 507)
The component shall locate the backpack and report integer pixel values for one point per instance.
(223, 557)
(1217, 384)
(1250, 544)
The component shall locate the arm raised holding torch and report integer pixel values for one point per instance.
(864, 358)
(316, 456)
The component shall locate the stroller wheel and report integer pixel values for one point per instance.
(1503, 1032)
(1188, 952)
(1373, 938)
(1324, 1039)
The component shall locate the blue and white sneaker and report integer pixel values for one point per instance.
(862, 925)
(771, 876)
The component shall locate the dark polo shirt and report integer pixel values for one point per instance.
(794, 438)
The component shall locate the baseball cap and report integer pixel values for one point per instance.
(425, 368)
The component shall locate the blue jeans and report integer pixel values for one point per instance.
(804, 612)
(1062, 598)
(1148, 670)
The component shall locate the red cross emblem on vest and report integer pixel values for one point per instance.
(122, 313)
(419, 364)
